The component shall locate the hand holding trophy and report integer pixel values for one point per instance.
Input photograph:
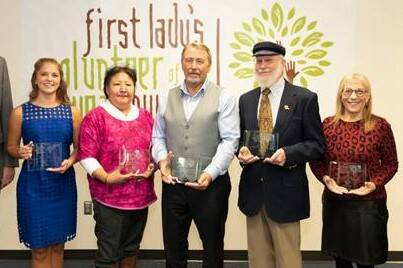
(258, 145)
(348, 174)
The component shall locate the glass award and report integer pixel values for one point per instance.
(261, 144)
(45, 155)
(188, 169)
(134, 161)
(347, 174)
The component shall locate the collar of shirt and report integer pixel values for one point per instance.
(277, 88)
(116, 113)
(185, 92)
(275, 98)
(190, 102)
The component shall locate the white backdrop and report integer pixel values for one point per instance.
(327, 39)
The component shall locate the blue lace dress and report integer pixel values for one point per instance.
(46, 201)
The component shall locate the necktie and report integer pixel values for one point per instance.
(265, 121)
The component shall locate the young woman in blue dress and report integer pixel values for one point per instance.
(46, 194)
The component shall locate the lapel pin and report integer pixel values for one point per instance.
(286, 107)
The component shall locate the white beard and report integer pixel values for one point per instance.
(268, 82)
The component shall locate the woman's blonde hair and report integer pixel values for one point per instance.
(61, 93)
(367, 116)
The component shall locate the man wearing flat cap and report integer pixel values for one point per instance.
(273, 190)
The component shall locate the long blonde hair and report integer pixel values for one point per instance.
(61, 93)
(367, 116)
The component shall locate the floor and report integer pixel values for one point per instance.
(160, 264)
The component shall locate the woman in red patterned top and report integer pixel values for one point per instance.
(355, 219)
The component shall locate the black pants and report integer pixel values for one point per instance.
(340, 263)
(119, 233)
(208, 209)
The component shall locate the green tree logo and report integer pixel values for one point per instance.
(305, 45)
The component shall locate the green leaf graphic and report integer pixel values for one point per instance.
(316, 54)
(327, 44)
(295, 41)
(259, 27)
(297, 52)
(312, 39)
(284, 31)
(291, 13)
(312, 71)
(311, 25)
(243, 56)
(244, 73)
(271, 33)
(265, 15)
(244, 39)
(277, 16)
(234, 65)
(246, 27)
(303, 81)
(235, 46)
(298, 25)
(324, 63)
(308, 48)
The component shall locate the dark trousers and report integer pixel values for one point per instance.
(208, 209)
(119, 233)
(340, 263)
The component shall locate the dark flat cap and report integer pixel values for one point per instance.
(267, 48)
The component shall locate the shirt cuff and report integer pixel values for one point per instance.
(90, 165)
(161, 155)
(212, 171)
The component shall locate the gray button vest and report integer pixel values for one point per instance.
(199, 136)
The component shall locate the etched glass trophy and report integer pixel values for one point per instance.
(188, 169)
(261, 144)
(45, 155)
(134, 161)
(347, 174)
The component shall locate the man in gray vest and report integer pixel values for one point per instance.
(195, 119)
(7, 163)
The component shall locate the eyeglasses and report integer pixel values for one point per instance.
(198, 61)
(359, 92)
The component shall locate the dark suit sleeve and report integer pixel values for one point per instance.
(320, 167)
(241, 127)
(313, 143)
(6, 105)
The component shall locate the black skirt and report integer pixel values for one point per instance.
(355, 230)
